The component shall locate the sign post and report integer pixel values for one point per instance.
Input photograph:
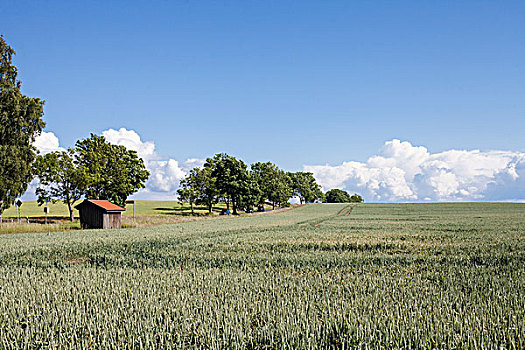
(46, 211)
(18, 204)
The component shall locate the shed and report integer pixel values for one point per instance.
(99, 214)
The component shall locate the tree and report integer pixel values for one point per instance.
(60, 179)
(281, 192)
(188, 190)
(337, 196)
(113, 172)
(273, 183)
(305, 187)
(231, 178)
(251, 195)
(198, 187)
(206, 189)
(20, 122)
(355, 198)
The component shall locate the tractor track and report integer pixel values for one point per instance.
(316, 222)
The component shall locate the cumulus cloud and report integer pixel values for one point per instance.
(47, 142)
(399, 171)
(191, 163)
(403, 172)
(131, 140)
(165, 173)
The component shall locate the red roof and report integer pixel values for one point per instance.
(105, 204)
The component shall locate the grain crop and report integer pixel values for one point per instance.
(411, 276)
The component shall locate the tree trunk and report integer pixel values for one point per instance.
(70, 208)
(210, 207)
(234, 205)
(301, 200)
(191, 205)
(228, 203)
(273, 205)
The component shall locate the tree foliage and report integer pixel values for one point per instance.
(273, 183)
(60, 178)
(305, 187)
(355, 198)
(20, 122)
(251, 195)
(226, 177)
(113, 171)
(188, 190)
(198, 187)
(337, 196)
(231, 178)
(206, 189)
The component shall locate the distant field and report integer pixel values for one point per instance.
(147, 213)
(411, 276)
(32, 210)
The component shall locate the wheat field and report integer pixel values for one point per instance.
(321, 276)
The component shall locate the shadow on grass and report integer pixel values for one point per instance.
(186, 210)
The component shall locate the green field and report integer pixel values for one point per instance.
(31, 209)
(413, 276)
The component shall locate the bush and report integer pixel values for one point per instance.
(337, 196)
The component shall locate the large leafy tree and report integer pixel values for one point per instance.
(356, 198)
(337, 196)
(273, 183)
(113, 172)
(60, 178)
(305, 187)
(251, 195)
(188, 190)
(231, 178)
(20, 122)
(281, 191)
(206, 188)
(199, 187)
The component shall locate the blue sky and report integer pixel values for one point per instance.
(296, 82)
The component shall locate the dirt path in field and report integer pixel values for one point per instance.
(345, 211)
(316, 222)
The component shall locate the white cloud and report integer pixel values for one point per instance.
(403, 172)
(191, 163)
(165, 173)
(399, 172)
(131, 140)
(47, 142)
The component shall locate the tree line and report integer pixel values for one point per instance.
(228, 179)
(339, 196)
(96, 169)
